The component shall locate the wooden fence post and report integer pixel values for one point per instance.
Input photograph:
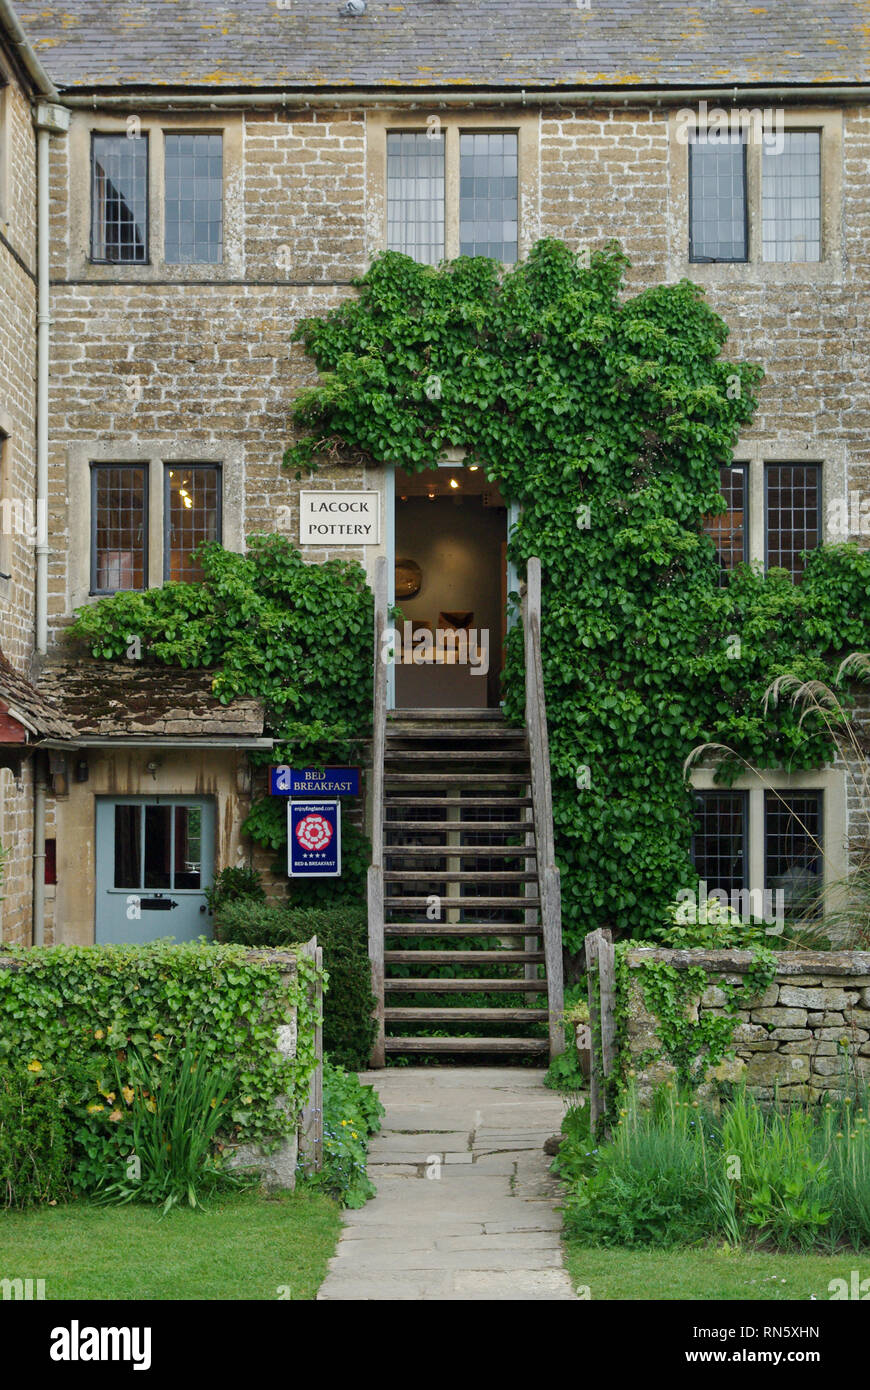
(311, 1119)
(602, 1023)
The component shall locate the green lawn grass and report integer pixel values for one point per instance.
(243, 1245)
(710, 1273)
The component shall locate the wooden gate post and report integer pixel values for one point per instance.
(602, 1023)
(311, 1119)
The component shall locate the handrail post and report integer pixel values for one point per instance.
(549, 884)
(375, 877)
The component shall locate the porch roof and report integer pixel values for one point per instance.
(125, 701)
(33, 710)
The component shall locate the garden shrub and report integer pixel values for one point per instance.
(773, 1176)
(233, 882)
(351, 1114)
(34, 1152)
(348, 1026)
(71, 1014)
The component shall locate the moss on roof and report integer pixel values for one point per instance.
(448, 43)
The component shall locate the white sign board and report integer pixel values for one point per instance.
(339, 518)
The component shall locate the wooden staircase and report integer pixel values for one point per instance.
(459, 863)
(463, 893)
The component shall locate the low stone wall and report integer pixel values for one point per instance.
(276, 1166)
(805, 1036)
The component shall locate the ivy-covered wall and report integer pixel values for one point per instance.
(77, 1013)
(607, 417)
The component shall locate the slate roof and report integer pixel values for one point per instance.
(124, 699)
(23, 698)
(448, 43)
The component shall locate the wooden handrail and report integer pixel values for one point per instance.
(375, 877)
(542, 805)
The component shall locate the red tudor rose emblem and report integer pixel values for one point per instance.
(314, 832)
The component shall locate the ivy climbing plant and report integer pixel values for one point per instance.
(607, 418)
(695, 1039)
(296, 636)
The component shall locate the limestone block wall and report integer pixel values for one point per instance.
(806, 1035)
(17, 473)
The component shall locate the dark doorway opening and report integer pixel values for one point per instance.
(451, 588)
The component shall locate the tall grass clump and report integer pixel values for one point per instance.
(648, 1186)
(784, 1177)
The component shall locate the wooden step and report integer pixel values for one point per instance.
(444, 716)
(489, 734)
(398, 985)
(479, 827)
(426, 873)
(459, 929)
(455, 755)
(505, 957)
(458, 851)
(469, 803)
(536, 1046)
(455, 779)
(395, 902)
(461, 1015)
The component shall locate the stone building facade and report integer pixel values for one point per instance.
(187, 359)
(18, 275)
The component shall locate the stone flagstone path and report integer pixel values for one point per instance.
(483, 1224)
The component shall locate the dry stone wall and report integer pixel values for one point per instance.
(805, 1036)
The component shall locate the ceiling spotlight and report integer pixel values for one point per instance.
(353, 7)
(473, 467)
(453, 482)
(431, 496)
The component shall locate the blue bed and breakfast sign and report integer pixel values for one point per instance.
(314, 839)
(314, 816)
(314, 781)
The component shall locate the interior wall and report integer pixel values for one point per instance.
(457, 542)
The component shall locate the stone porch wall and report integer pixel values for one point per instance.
(803, 1037)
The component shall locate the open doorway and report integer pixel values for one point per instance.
(451, 529)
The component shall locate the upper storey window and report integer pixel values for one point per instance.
(194, 199)
(718, 229)
(788, 504)
(791, 198)
(178, 175)
(452, 191)
(415, 195)
(488, 217)
(755, 196)
(119, 199)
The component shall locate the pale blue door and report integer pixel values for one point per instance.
(155, 857)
